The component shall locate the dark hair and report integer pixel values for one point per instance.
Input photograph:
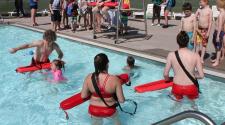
(100, 62)
(130, 61)
(59, 64)
(49, 36)
(187, 6)
(182, 39)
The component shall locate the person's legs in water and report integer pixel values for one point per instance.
(115, 118)
(96, 120)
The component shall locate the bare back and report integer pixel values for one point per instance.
(112, 86)
(190, 60)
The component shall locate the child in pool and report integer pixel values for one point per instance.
(131, 68)
(56, 70)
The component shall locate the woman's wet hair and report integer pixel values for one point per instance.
(101, 63)
(59, 64)
(130, 61)
(182, 39)
(187, 6)
(49, 36)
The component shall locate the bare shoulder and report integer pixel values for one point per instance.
(170, 54)
(114, 78)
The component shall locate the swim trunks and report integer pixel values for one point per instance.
(191, 91)
(34, 62)
(190, 43)
(218, 44)
(201, 37)
(99, 111)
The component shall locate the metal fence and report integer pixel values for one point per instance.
(8, 5)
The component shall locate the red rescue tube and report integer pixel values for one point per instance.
(33, 68)
(109, 4)
(152, 86)
(76, 99)
(73, 101)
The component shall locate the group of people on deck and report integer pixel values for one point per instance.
(186, 64)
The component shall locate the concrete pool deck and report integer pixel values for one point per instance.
(161, 42)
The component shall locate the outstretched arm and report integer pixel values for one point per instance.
(25, 46)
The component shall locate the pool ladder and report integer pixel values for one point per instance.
(187, 114)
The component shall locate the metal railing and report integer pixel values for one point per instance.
(1, 19)
(184, 115)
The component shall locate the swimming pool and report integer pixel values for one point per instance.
(33, 101)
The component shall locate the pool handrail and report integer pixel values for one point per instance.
(1, 19)
(184, 115)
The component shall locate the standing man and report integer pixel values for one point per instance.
(19, 7)
(33, 10)
(156, 11)
(187, 69)
(55, 7)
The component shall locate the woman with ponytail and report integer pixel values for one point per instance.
(109, 87)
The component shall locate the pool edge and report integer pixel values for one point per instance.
(130, 51)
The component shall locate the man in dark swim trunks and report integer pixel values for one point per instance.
(43, 48)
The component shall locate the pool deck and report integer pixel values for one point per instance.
(161, 40)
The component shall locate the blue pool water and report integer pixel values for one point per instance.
(34, 101)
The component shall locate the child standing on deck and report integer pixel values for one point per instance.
(218, 35)
(204, 22)
(72, 12)
(188, 24)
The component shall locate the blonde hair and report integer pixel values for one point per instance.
(220, 3)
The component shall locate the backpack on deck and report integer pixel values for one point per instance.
(69, 11)
(171, 3)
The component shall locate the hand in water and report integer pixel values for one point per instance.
(12, 50)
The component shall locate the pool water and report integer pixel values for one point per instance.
(34, 101)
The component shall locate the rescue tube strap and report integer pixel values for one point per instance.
(93, 78)
(194, 80)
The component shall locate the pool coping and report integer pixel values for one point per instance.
(130, 51)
